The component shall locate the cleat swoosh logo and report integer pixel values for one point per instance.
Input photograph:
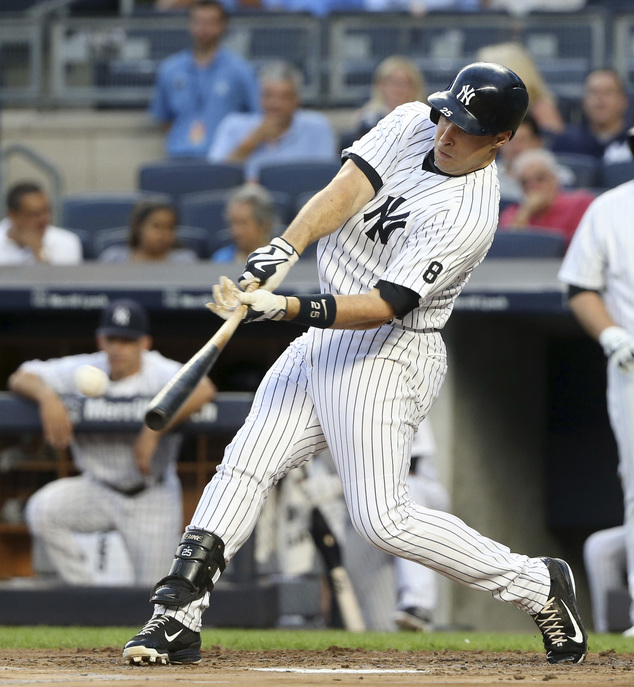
(578, 635)
(171, 638)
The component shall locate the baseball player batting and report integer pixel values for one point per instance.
(599, 270)
(411, 213)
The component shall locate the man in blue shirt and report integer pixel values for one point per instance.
(196, 88)
(603, 133)
(282, 133)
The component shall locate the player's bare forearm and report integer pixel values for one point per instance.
(327, 210)
(31, 386)
(56, 425)
(359, 311)
(590, 311)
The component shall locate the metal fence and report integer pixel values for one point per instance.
(113, 61)
(564, 47)
(21, 68)
(624, 46)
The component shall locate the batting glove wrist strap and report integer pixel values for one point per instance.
(317, 310)
(269, 265)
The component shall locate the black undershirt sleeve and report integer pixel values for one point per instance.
(574, 290)
(402, 299)
(373, 176)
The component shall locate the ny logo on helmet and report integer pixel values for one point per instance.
(466, 94)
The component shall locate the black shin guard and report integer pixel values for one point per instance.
(198, 562)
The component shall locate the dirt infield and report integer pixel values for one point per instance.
(333, 666)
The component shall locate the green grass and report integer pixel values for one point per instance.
(41, 637)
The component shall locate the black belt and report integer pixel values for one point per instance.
(133, 491)
(426, 330)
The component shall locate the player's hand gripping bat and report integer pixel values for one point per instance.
(164, 406)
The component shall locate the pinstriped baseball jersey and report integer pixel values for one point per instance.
(422, 230)
(601, 254)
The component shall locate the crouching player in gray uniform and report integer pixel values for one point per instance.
(401, 227)
(128, 482)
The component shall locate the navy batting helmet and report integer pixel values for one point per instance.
(483, 99)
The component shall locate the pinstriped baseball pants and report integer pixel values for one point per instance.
(620, 397)
(362, 394)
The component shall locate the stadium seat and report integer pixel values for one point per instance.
(617, 173)
(585, 169)
(534, 243)
(193, 238)
(296, 178)
(92, 212)
(106, 238)
(177, 177)
(207, 210)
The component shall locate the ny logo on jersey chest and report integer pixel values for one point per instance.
(387, 219)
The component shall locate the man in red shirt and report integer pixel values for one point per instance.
(544, 205)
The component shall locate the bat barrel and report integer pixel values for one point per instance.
(164, 406)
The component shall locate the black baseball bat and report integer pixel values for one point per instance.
(164, 406)
(340, 583)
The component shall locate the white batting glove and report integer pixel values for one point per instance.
(269, 265)
(618, 346)
(263, 305)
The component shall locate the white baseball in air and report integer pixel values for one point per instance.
(91, 381)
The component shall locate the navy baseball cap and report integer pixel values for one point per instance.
(124, 318)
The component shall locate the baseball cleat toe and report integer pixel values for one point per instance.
(163, 640)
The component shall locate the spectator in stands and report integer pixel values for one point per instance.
(152, 237)
(26, 234)
(127, 480)
(544, 205)
(542, 104)
(527, 137)
(603, 134)
(522, 7)
(251, 217)
(317, 7)
(422, 6)
(197, 87)
(396, 81)
(282, 133)
(230, 5)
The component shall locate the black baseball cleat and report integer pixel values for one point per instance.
(163, 640)
(414, 619)
(565, 640)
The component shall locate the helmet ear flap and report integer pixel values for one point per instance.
(434, 115)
